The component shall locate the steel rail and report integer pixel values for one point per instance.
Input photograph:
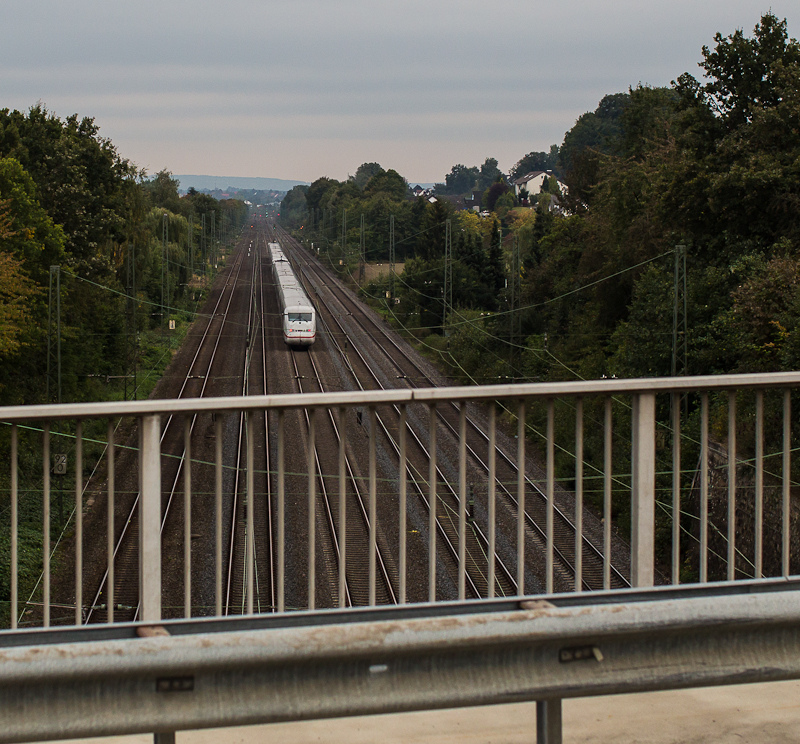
(241, 443)
(323, 488)
(532, 523)
(358, 495)
(129, 521)
(411, 471)
(273, 602)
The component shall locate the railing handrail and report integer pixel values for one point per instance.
(608, 386)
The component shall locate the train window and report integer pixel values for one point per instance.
(295, 317)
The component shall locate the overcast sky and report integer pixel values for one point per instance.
(304, 88)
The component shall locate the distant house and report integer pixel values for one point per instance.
(454, 199)
(418, 190)
(534, 182)
(475, 202)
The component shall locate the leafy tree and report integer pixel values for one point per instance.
(81, 181)
(365, 172)
(489, 174)
(30, 234)
(595, 134)
(388, 182)
(536, 161)
(163, 191)
(294, 209)
(460, 179)
(743, 74)
(17, 291)
(317, 191)
(493, 193)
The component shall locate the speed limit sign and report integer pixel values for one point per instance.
(59, 464)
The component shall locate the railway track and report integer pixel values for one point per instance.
(316, 516)
(574, 552)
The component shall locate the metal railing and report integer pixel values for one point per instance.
(189, 674)
(694, 474)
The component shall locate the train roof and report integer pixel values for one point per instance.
(290, 289)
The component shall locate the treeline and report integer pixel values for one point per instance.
(93, 256)
(673, 250)
(702, 175)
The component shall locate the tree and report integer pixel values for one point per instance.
(493, 193)
(742, 73)
(17, 291)
(595, 134)
(317, 192)
(294, 209)
(30, 234)
(460, 179)
(365, 172)
(388, 182)
(536, 161)
(489, 174)
(163, 191)
(82, 183)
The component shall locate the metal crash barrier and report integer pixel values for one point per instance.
(183, 675)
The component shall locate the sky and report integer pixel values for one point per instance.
(301, 89)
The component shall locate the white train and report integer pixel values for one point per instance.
(298, 317)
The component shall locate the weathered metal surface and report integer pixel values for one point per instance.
(373, 662)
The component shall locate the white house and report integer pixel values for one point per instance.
(533, 182)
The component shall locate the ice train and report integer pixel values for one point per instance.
(298, 316)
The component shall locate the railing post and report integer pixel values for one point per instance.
(150, 518)
(643, 488)
(548, 721)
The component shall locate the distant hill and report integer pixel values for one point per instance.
(235, 183)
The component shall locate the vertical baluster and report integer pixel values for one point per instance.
(462, 500)
(218, 508)
(312, 501)
(250, 545)
(521, 498)
(759, 518)
(432, 504)
(492, 495)
(759, 525)
(281, 515)
(607, 453)
(731, 485)
(373, 506)
(187, 519)
(643, 489)
(403, 504)
(785, 494)
(578, 494)
(79, 523)
(550, 491)
(675, 399)
(110, 529)
(150, 518)
(14, 525)
(46, 525)
(704, 487)
(342, 509)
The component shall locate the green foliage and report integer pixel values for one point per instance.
(294, 208)
(537, 161)
(365, 173)
(461, 180)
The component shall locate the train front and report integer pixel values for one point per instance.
(299, 325)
